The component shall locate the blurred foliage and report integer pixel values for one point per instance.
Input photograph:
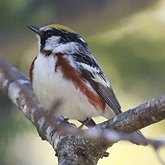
(126, 36)
(16, 13)
(136, 48)
(11, 123)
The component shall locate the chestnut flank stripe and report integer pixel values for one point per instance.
(79, 82)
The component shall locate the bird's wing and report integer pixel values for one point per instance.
(91, 71)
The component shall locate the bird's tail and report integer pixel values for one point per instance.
(138, 138)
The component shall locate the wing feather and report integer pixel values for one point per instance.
(103, 88)
(91, 71)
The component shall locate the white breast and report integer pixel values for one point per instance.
(50, 86)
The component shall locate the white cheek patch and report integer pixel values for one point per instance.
(52, 42)
(68, 48)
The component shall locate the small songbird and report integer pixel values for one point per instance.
(65, 69)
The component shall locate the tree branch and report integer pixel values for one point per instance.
(72, 145)
(138, 117)
(70, 149)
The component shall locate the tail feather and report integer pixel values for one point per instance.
(139, 138)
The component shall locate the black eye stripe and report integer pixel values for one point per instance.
(68, 36)
(49, 33)
(65, 36)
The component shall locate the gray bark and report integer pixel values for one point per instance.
(72, 145)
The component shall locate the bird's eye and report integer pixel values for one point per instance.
(49, 33)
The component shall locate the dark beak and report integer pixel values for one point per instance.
(35, 29)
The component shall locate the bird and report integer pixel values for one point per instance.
(65, 69)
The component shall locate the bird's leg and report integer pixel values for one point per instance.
(87, 122)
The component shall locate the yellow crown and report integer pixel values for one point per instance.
(59, 27)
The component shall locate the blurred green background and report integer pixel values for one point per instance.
(128, 39)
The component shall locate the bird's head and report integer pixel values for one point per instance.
(53, 36)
